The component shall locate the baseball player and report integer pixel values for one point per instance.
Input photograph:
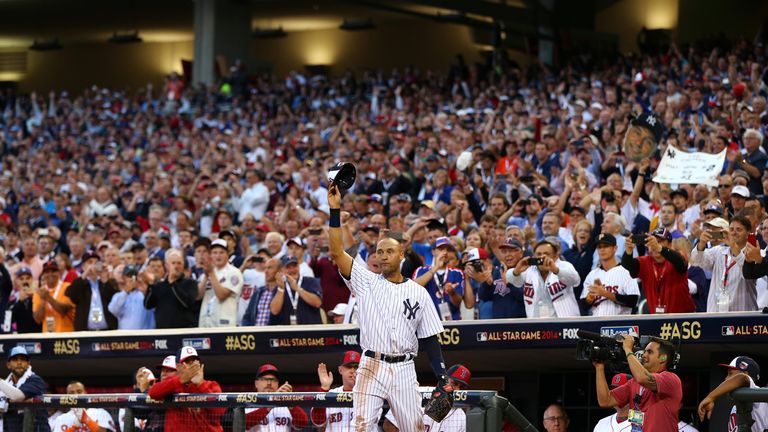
(396, 318)
(548, 286)
(609, 289)
(456, 420)
(337, 419)
(742, 372)
(81, 419)
(277, 419)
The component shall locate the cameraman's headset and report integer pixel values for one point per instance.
(675, 356)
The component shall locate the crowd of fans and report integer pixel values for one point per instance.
(199, 206)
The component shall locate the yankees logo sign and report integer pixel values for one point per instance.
(409, 311)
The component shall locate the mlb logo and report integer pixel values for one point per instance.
(482, 336)
(274, 343)
(728, 331)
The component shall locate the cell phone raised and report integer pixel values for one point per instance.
(638, 238)
(752, 239)
(535, 261)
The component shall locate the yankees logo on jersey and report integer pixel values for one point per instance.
(616, 280)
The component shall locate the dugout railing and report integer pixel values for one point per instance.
(744, 398)
(486, 409)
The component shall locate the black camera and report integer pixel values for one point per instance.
(477, 265)
(535, 261)
(130, 271)
(610, 351)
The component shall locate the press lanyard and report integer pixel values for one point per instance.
(727, 270)
(294, 300)
(659, 286)
(440, 293)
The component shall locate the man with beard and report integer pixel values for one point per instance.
(22, 384)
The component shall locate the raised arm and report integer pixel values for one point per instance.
(336, 247)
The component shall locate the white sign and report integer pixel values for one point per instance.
(680, 167)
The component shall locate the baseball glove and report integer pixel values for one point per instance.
(441, 402)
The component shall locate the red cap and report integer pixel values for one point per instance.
(351, 357)
(268, 369)
(619, 380)
(459, 373)
(262, 227)
(739, 89)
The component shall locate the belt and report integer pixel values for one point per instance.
(388, 358)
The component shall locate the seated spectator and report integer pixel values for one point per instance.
(91, 294)
(219, 289)
(298, 298)
(51, 307)
(174, 299)
(22, 384)
(190, 378)
(128, 304)
(90, 419)
(268, 381)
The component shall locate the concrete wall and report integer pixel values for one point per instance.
(625, 18)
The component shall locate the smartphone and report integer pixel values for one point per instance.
(716, 235)
(324, 249)
(638, 238)
(315, 231)
(535, 261)
(752, 239)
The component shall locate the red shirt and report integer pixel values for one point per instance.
(664, 286)
(660, 407)
(189, 419)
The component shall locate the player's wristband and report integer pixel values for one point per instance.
(629, 353)
(335, 219)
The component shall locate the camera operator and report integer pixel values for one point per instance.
(663, 273)
(547, 282)
(653, 394)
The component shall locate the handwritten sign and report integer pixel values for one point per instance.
(680, 167)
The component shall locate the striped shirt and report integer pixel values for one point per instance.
(726, 276)
(616, 280)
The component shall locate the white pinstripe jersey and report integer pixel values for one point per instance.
(455, 421)
(392, 316)
(339, 419)
(616, 280)
(609, 424)
(279, 419)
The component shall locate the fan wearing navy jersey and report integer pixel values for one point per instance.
(444, 284)
(275, 419)
(609, 289)
(395, 323)
(337, 419)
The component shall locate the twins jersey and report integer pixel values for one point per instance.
(216, 313)
(392, 316)
(759, 414)
(455, 421)
(279, 419)
(616, 280)
(252, 279)
(338, 419)
(551, 297)
(67, 420)
(609, 424)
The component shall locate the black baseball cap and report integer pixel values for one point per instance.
(650, 122)
(744, 364)
(606, 239)
(682, 192)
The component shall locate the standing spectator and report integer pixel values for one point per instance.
(729, 289)
(30, 259)
(91, 294)
(22, 384)
(6, 283)
(255, 197)
(297, 247)
(506, 299)
(128, 304)
(335, 291)
(190, 378)
(52, 308)
(752, 160)
(663, 273)
(174, 299)
(219, 289)
(580, 255)
(76, 419)
(304, 297)
(742, 372)
(547, 286)
(20, 305)
(259, 312)
(337, 418)
(269, 419)
(253, 278)
(610, 290)
(444, 284)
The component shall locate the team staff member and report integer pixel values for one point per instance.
(609, 289)
(742, 372)
(663, 273)
(337, 419)
(653, 394)
(22, 384)
(456, 420)
(396, 319)
(189, 378)
(81, 419)
(616, 422)
(277, 419)
(219, 288)
(547, 287)
(445, 284)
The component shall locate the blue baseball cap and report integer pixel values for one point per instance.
(18, 351)
(443, 241)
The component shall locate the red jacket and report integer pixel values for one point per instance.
(189, 419)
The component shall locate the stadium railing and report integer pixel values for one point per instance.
(486, 411)
(744, 399)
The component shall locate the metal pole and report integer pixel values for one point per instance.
(128, 420)
(744, 416)
(238, 419)
(28, 424)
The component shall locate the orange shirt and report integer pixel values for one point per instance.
(61, 323)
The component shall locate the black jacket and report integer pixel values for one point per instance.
(175, 303)
(80, 294)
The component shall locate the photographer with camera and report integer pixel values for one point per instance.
(91, 294)
(663, 273)
(547, 282)
(444, 284)
(653, 394)
(128, 304)
(52, 308)
(174, 298)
